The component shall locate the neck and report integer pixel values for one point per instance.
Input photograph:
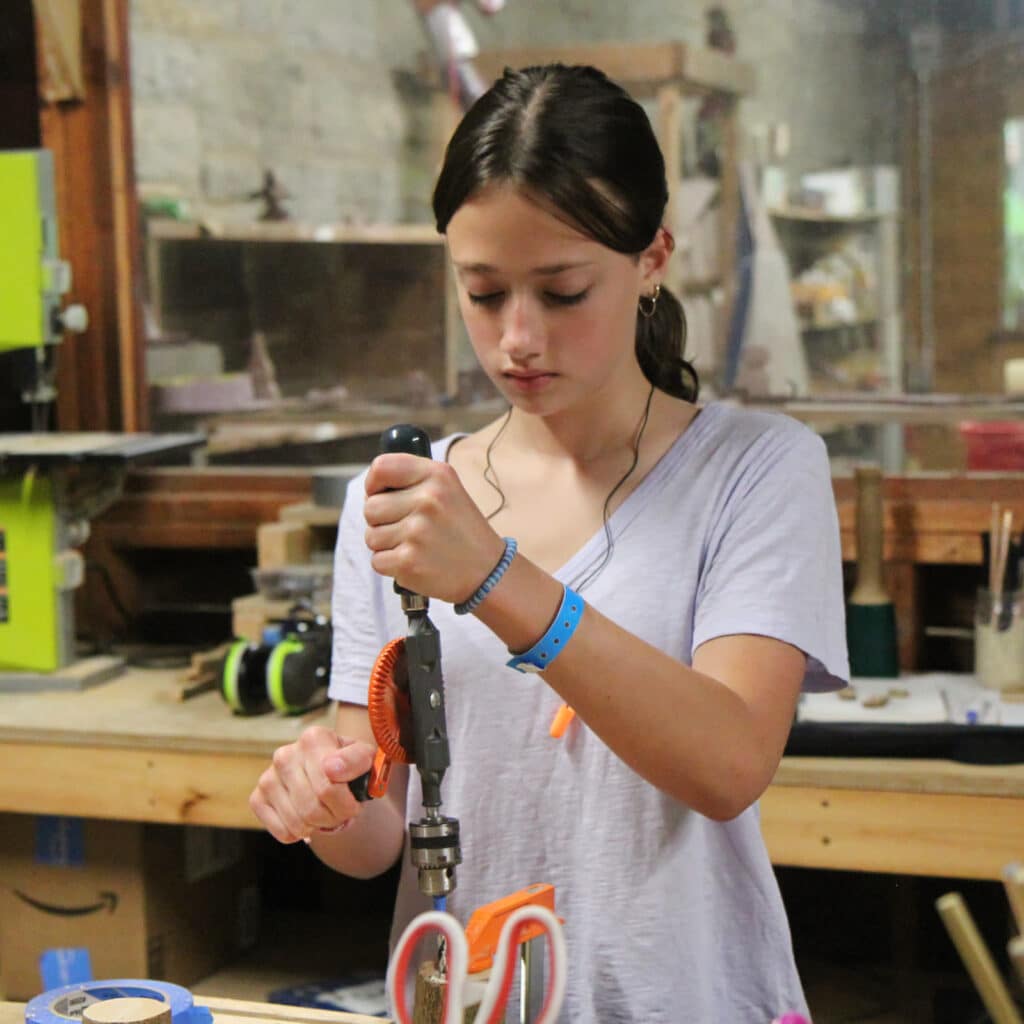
(604, 430)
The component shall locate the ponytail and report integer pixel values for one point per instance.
(660, 344)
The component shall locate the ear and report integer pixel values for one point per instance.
(654, 259)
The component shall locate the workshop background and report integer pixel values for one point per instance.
(242, 287)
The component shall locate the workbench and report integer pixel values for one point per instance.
(192, 762)
(238, 1011)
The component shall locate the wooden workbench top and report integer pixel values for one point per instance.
(904, 775)
(141, 709)
(238, 1011)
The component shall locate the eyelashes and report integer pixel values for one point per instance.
(552, 298)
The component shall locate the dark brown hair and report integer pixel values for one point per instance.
(584, 147)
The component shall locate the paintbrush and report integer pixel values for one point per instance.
(1000, 608)
(976, 958)
(1013, 882)
(993, 539)
(1015, 948)
(870, 615)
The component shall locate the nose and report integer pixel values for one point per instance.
(522, 330)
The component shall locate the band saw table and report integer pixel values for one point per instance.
(51, 486)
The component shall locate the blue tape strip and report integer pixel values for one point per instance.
(59, 1005)
(62, 967)
(60, 842)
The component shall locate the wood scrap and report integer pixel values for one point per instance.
(203, 672)
(428, 1007)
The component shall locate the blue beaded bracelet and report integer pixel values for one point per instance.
(465, 607)
(540, 656)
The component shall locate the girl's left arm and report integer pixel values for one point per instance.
(711, 735)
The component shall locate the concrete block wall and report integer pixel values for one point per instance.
(319, 90)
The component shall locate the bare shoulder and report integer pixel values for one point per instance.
(468, 455)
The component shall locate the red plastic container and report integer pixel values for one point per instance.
(994, 444)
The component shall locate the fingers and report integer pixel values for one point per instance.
(297, 796)
(395, 471)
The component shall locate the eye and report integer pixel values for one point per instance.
(559, 299)
(487, 299)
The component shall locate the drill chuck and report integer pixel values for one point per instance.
(434, 851)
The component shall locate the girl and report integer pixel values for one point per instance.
(693, 550)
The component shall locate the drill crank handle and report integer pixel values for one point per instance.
(360, 787)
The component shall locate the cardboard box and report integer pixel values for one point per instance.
(164, 902)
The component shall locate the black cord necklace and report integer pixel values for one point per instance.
(491, 476)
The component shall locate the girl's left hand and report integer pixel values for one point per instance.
(424, 529)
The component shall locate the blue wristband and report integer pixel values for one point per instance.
(551, 644)
(465, 607)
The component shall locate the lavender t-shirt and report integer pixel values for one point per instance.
(669, 915)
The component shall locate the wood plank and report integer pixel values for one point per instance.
(967, 102)
(206, 507)
(91, 145)
(239, 1011)
(639, 67)
(297, 482)
(130, 785)
(864, 830)
(291, 231)
(312, 515)
(175, 536)
(901, 775)
(247, 1011)
(141, 710)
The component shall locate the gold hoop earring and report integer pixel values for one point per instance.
(647, 311)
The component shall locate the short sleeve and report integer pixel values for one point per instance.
(773, 565)
(357, 611)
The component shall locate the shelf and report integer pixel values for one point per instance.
(809, 216)
(165, 229)
(642, 68)
(899, 408)
(838, 325)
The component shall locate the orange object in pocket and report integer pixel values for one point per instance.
(563, 716)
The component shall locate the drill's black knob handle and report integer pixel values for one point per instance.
(404, 437)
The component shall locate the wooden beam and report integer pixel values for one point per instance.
(165, 786)
(100, 382)
(885, 832)
(639, 67)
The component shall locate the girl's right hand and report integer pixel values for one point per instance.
(305, 790)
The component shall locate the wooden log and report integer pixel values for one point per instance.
(281, 544)
(128, 1010)
(428, 1007)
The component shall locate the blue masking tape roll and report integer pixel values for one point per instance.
(60, 1005)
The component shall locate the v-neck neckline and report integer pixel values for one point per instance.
(633, 503)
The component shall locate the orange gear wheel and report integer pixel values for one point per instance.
(390, 715)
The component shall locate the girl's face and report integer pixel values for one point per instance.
(550, 312)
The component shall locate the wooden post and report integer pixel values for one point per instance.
(430, 989)
(729, 215)
(100, 379)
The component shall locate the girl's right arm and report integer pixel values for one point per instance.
(304, 794)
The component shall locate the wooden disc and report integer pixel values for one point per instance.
(128, 1010)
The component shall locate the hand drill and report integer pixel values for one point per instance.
(406, 705)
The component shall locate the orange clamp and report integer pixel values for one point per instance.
(486, 923)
